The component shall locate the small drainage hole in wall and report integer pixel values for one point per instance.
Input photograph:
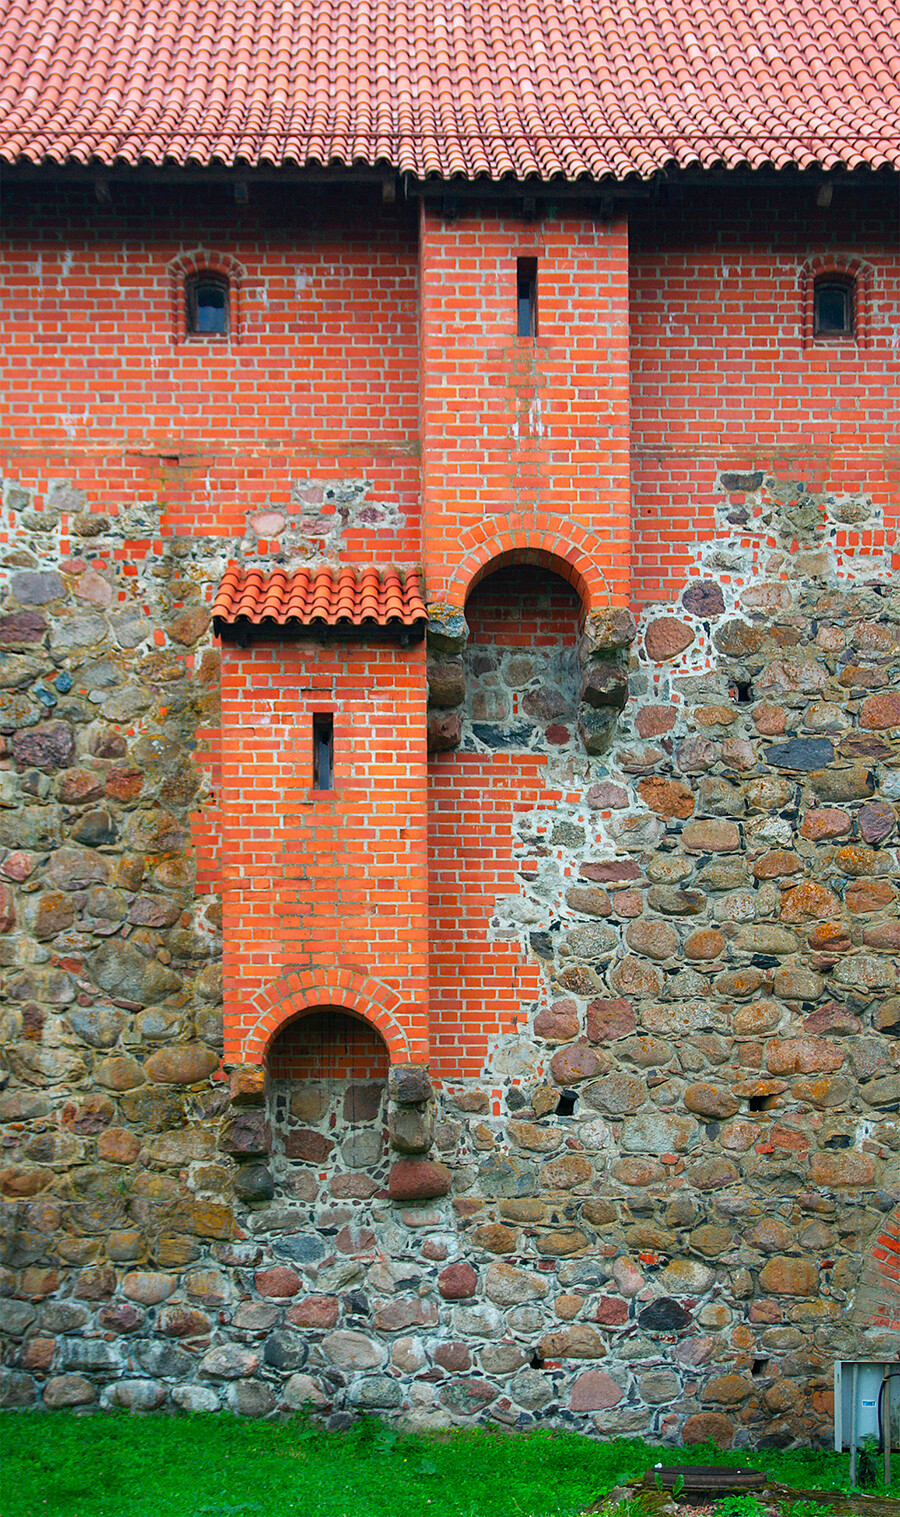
(565, 1106)
(536, 1362)
(761, 1103)
(759, 1367)
(741, 691)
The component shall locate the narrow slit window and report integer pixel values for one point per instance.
(833, 308)
(207, 306)
(323, 751)
(526, 297)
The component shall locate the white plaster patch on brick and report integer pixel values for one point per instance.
(536, 426)
(70, 421)
(511, 914)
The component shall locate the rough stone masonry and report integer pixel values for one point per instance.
(664, 1207)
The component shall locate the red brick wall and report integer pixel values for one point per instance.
(521, 433)
(322, 384)
(721, 378)
(878, 1298)
(327, 883)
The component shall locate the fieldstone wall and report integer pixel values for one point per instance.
(664, 1191)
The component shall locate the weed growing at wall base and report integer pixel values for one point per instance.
(119, 1465)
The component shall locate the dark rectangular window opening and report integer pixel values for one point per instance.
(323, 751)
(833, 308)
(526, 297)
(207, 305)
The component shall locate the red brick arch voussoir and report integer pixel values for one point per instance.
(562, 546)
(204, 261)
(298, 992)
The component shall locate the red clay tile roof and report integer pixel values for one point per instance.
(453, 87)
(336, 597)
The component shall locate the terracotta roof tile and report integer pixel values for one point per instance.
(453, 87)
(335, 597)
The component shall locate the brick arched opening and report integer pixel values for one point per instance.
(524, 621)
(327, 1091)
(567, 551)
(328, 1043)
(249, 1037)
(597, 632)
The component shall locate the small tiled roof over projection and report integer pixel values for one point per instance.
(321, 598)
(523, 88)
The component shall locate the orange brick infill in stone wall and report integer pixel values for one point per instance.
(524, 434)
(878, 1298)
(481, 986)
(722, 379)
(327, 885)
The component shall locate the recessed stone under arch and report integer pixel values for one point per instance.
(568, 669)
(326, 1096)
(521, 659)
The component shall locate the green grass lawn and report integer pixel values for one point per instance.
(116, 1465)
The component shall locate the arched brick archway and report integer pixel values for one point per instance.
(567, 550)
(327, 1070)
(328, 1043)
(297, 993)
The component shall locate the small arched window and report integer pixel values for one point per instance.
(833, 313)
(206, 305)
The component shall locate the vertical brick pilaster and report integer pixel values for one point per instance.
(521, 435)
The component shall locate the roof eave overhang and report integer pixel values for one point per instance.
(392, 185)
(242, 631)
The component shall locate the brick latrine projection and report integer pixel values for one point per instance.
(322, 386)
(524, 432)
(328, 882)
(721, 379)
